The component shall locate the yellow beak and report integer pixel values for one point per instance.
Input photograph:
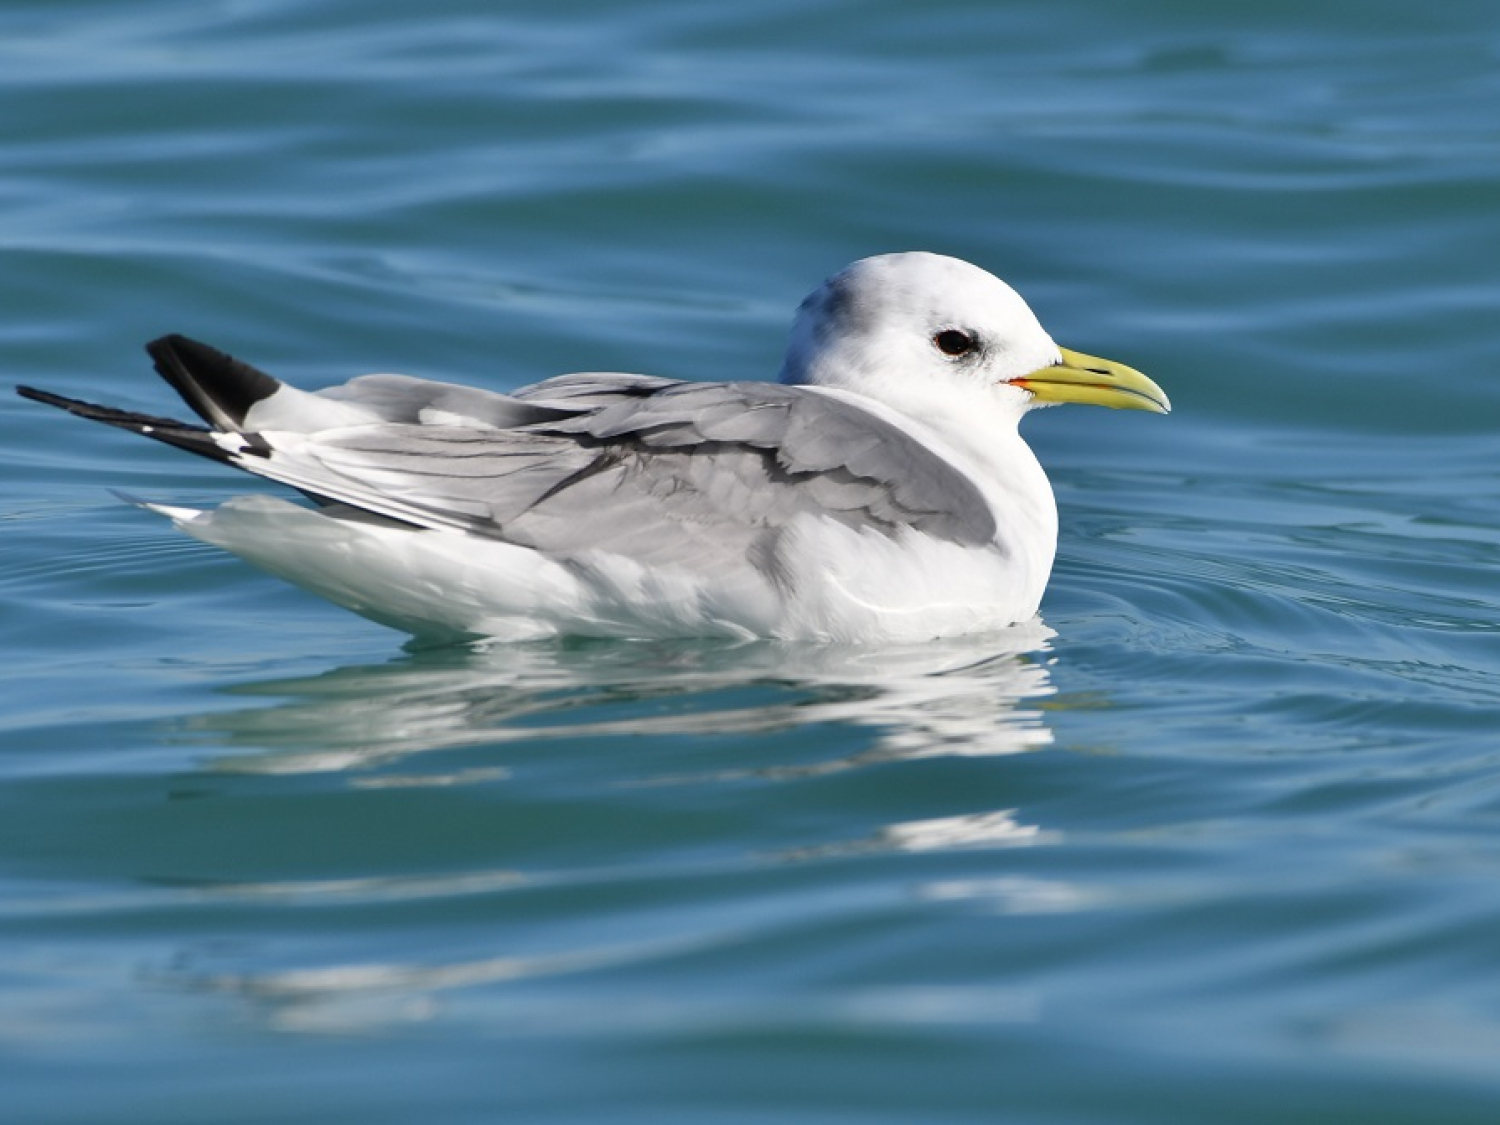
(1086, 378)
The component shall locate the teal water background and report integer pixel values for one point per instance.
(1218, 842)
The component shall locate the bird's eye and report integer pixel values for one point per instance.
(955, 341)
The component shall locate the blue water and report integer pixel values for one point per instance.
(1218, 840)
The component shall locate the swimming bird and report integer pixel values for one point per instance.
(879, 491)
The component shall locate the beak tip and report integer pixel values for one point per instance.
(1101, 382)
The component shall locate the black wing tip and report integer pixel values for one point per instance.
(183, 435)
(172, 347)
(36, 394)
(220, 389)
(74, 405)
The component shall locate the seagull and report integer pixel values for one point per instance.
(879, 492)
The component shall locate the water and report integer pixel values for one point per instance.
(1216, 842)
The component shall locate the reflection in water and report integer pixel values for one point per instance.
(950, 698)
(957, 698)
(998, 829)
(993, 829)
(1016, 894)
(368, 998)
(362, 996)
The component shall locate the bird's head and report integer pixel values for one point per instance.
(900, 327)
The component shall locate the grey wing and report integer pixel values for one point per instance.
(654, 469)
(809, 452)
(404, 399)
(407, 399)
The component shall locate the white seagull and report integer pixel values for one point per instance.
(879, 492)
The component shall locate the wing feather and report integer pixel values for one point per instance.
(657, 470)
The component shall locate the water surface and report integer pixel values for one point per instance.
(1215, 840)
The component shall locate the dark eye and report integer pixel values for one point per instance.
(955, 341)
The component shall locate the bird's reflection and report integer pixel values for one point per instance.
(966, 698)
(961, 697)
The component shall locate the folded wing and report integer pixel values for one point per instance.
(657, 470)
